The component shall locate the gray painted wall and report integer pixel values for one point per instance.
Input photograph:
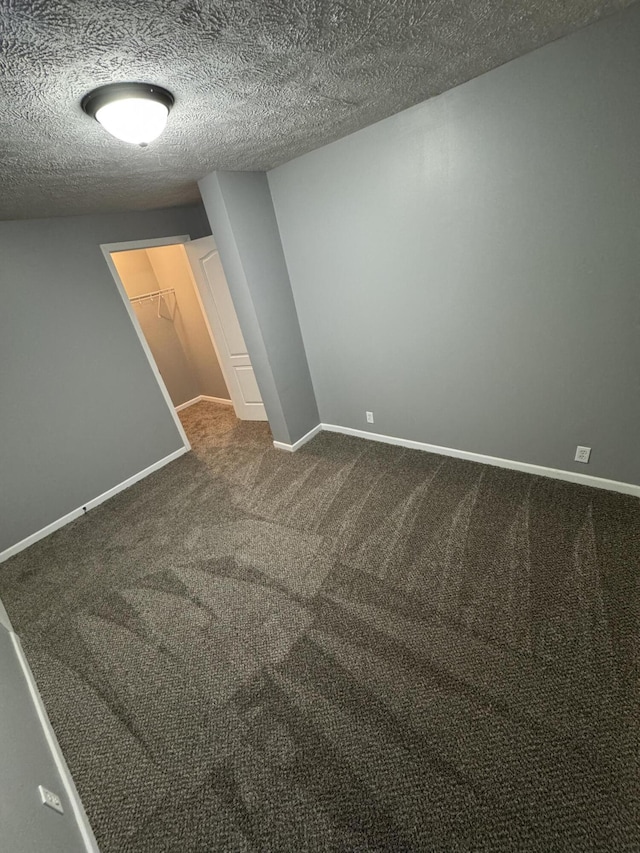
(80, 410)
(468, 269)
(243, 222)
(27, 762)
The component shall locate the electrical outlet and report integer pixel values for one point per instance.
(582, 454)
(50, 799)
(369, 417)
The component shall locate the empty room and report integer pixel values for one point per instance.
(319, 406)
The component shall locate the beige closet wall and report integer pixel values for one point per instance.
(171, 269)
(181, 347)
(135, 271)
(167, 339)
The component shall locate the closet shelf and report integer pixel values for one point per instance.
(154, 294)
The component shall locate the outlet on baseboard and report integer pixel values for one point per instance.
(582, 454)
(369, 417)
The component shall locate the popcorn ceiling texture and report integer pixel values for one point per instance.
(257, 82)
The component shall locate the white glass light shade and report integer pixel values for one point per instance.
(135, 120)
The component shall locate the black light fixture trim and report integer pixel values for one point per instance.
(92, 101)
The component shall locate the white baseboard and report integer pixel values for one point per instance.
(204, 397)
(187, 404)
(221, 400)
(76, 513)
(52, 742)
(525, 467)
(291, 448)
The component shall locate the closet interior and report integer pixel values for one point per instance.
(160, 287)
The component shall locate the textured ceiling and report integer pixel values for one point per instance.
(257, 82)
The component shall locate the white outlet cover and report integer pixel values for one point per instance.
(50, 799)
(369, 417)
(582, 454)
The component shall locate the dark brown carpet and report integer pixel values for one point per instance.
(352, 648)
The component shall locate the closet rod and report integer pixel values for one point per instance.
(154, 294)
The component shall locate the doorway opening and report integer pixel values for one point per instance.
(178, 300)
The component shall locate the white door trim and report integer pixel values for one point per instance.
(107, 248)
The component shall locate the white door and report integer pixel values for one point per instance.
(226, 334)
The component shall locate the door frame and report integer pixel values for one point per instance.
(128, 246)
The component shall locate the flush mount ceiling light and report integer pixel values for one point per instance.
(133, 112)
